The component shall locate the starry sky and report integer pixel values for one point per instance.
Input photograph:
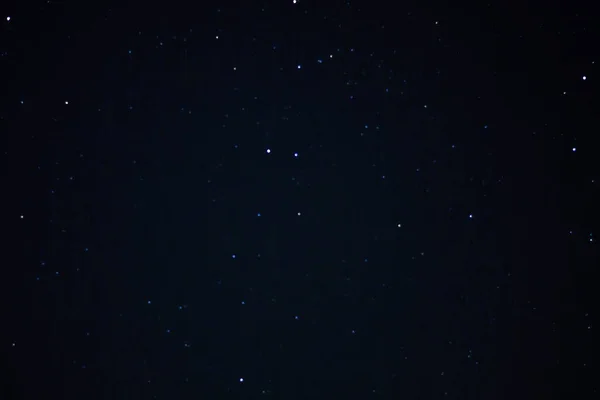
(298, 199)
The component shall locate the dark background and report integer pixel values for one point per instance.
(123, 209)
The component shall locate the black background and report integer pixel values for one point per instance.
(122, 209)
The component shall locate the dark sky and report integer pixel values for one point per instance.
(298, 200)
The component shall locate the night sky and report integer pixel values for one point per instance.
(298, 200)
